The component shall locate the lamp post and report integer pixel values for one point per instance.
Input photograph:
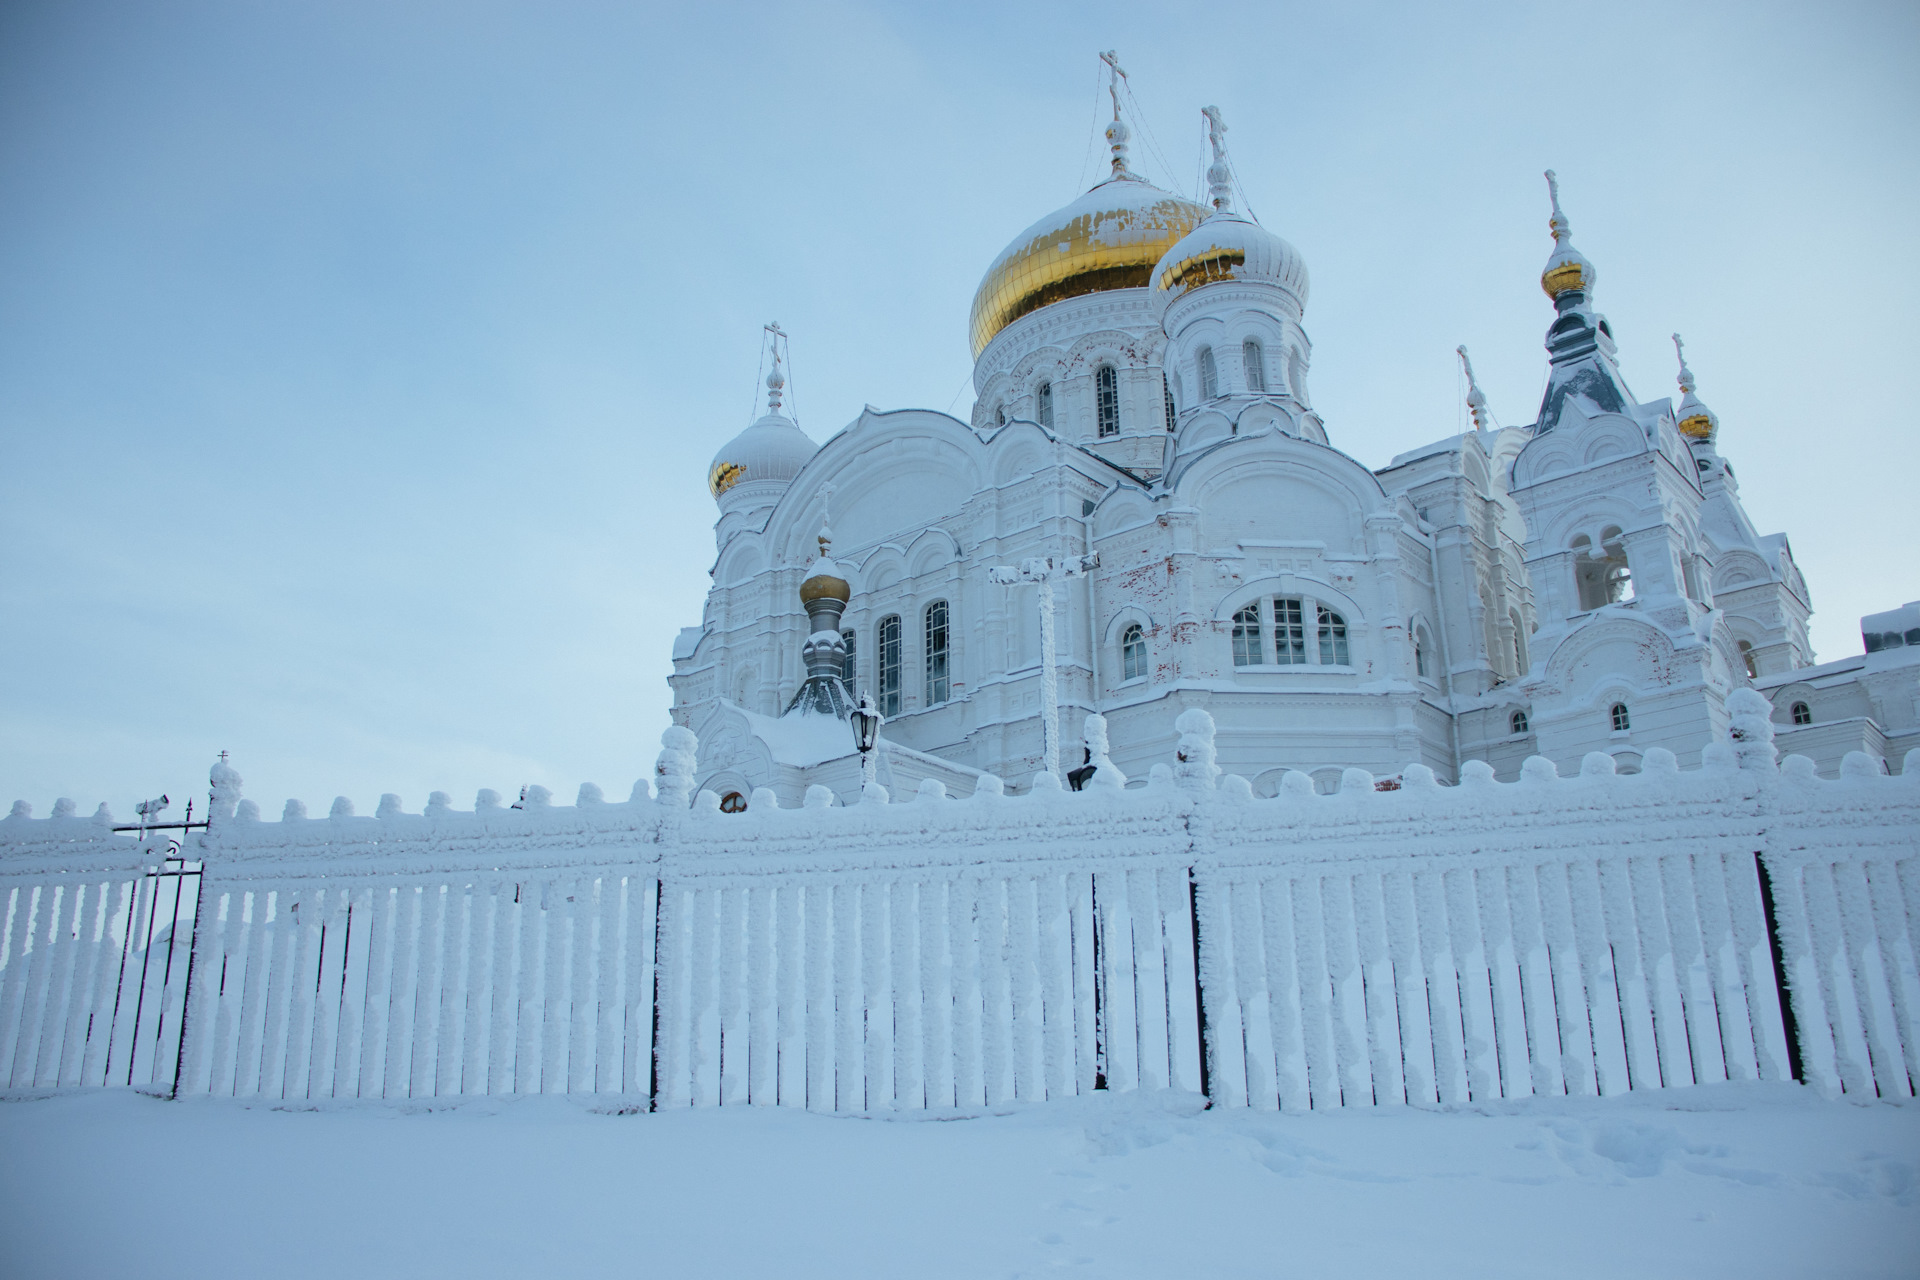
(1043, 571)
(866, 721)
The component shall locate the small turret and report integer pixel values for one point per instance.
(1696, 421)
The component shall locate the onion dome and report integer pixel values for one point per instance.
(1228, 245)
(823, 580)
(1476, 399)
(774, 448)
(1107, 239)
(1695, 420)
(1566, 270)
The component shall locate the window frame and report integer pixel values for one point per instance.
(1620, 717)
(1330, 630)
(1518, 723)
(849, 667)
(1253, 358)
(887, 665)
(1133, 653)
(936, 653)
(1106, 395)
(1209, 374)
(1043, 405)
(1249, 638)
(1801, 712)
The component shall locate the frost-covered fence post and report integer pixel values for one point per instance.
(1106, 777)
(1195, 770)
(674, 769)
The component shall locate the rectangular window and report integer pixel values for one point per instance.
(1333, 639)
(1209, 375)
(847, 667)
(1289, 632)
(1166, 392)
(1133, 654)
(886, 649)
(1043, 405)
(1248, 651)
(1107, 385)
(938, 685)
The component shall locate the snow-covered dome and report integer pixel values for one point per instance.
(1229, 246)
(774, 448)
(1107, 239)
(1567, 269)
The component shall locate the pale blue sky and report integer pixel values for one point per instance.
(360, 363)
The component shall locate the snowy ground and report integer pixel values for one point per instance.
(1730, 1181)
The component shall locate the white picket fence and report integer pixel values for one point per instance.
(1584, 935)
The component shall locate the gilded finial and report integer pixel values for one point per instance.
(1219, 174)
(1476, 401)
(1117, 132)
(1567, 271)
(1694, 419)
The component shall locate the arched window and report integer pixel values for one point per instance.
(886, 666)
(1746, 657)
(1000, 416)
(1133, 653)
(1166, 391)
(1107, 388)
(847, 668)
(1333, 639)
(1802, 713)
(1621, 722)
(1518, 721)
(1248, 651)
(1422, 664)
(938, 685)
(1043, 405)
(1606, 578)
(1297, 374)
(733, 802)
(1209, 375)
(1256, 361)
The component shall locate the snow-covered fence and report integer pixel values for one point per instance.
(1586, 934)
(95, 955)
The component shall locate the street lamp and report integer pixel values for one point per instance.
(866, 721)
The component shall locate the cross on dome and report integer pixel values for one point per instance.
(1117, 132)
(1220, 174)
(1566, 271)
(1476, 402)
(1695, 420)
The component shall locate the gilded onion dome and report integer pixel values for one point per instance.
(1228, 245)
(823, 580)
(1566, 270)
(1109, 238)
(774, 448)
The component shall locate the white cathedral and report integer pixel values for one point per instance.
(1144, 445)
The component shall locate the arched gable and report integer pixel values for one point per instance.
(891, 474)
(1622, 654)
(1276, 487)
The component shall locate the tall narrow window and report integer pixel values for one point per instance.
(1043, 405)
(1420, 660)
(1256, 361)
(1107, 387)
(936, 651)
(1000, 416)
(1247, 649)
(1209, 375)
(1519, 642)
(1518, 721)
(1746, 658)
(1621, 722)
(1289, 633)
(1133, 653)
(1333, 639)
(1166, 392)
(846, 665)
(1802, 713)
(886, 665)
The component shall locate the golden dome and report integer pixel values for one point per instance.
(1566, 273)
(1110, 238)
(825, 586)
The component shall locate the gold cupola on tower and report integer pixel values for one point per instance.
(1566, 270)
(1110, 238)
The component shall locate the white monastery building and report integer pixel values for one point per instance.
(1144, 450)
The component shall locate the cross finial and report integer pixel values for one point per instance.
(826, 531)
(1117, 132)
(1686, 374)
(1220, 174)
(776, 379)
(223, 757)
(1558, 223)
(1476, 402)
